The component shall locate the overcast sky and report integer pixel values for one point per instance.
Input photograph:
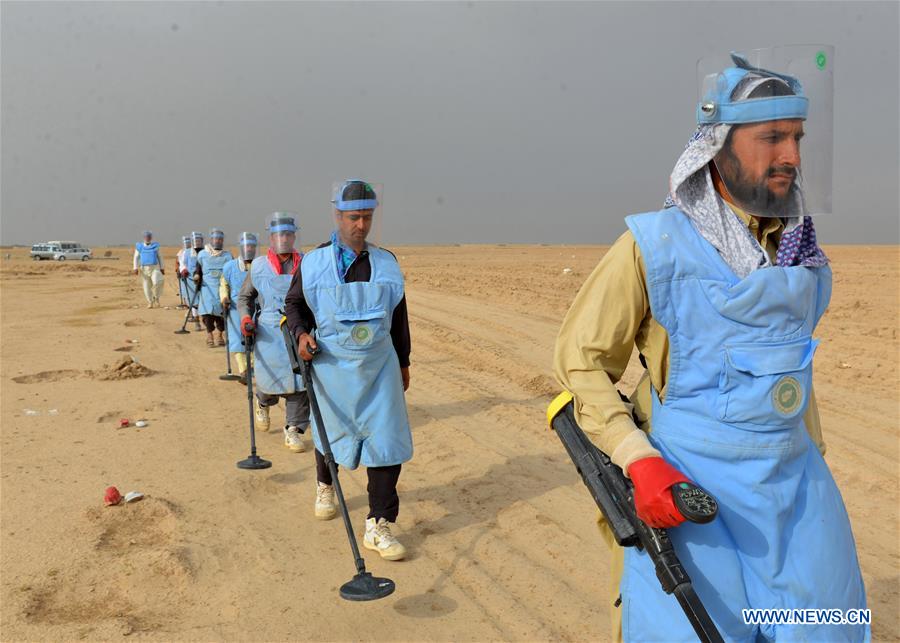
(513, 122)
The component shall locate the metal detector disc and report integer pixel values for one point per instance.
(365, 587)
(254, 462)
(229, 378)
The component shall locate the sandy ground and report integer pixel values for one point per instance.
(500, 529)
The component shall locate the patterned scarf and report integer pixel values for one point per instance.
(691, 189)
(344, 256)
(275, 261)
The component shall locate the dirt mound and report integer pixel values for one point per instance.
(114, 588)
(151, 522)
(125, 369)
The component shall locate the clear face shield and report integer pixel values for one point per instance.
(357, 211)
(147, 236)
(282, 229)
(186, 243)
(247, 244)
(778, 103)
(197, 240)
(216, 239)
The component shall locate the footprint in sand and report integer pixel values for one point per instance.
(47, 376)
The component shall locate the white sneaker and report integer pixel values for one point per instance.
(325, 508)
(261, 416)
(379, 538)
(293, 439)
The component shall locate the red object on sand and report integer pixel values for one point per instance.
(112, 497)
(123, 423)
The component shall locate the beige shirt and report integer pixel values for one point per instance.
(608, 318)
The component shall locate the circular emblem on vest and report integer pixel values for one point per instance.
(361, 334)
(787, 396)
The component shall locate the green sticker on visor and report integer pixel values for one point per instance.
(821, 60)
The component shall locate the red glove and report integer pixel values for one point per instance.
(653, 479)
(248, 328)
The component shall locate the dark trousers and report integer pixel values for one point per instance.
(213, 322)
(383, 499)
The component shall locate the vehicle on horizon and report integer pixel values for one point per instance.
(60, 251)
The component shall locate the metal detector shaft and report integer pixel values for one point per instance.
(248, 355)
(225, 332)
(182, 290)
(306, 368)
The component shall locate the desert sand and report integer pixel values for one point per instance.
(500, 529)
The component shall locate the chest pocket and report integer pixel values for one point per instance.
(358, 330)
(766, 384)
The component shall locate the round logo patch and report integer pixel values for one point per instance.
(361, 334)
(787, 396)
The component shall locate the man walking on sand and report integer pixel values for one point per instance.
(188, 266)
(234, 274)
(721, 292)
(207, 274)
(348, 301)
(148, 263)
(265, 288)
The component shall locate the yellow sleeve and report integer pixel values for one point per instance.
(224, 289)
(594, 345)
(813, 423)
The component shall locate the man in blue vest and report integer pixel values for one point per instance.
(265, 289)
(721, 292)
(350, 295)
(148, 263)
(207, 274)
(233, 276)
(188, 266)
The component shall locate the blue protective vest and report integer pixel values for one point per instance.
(209, 286)
(740, 370)
(149, 254)
(234, 277)
(356, 373)
(272, 367)
(189, 262)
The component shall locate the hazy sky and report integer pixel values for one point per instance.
(487, 122)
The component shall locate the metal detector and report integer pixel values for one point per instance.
(363, 586)
(184, 330)
(252, 461)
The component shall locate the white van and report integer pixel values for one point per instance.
(60, 251)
